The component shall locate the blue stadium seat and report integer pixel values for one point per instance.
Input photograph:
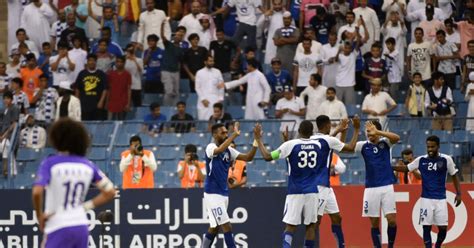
(359, 97)
(458, 96)
(462, 136)
(168, 153)
(27, 154)
(102, 165)
(346, 178)
(141, 112)
(353, 110)
(161, 179)
(168, 139)
(461, 109)
(47, 151)
(398, 111)
(444, 136)
(151, 98)
(271, 126)
(168, 111)
(192, 110)
(255, 177)
(169, 165)
(356, 163)
(191, 100)
(195, 138)
(24, 180)
(237, 112)
(97, 153)
(276, 176)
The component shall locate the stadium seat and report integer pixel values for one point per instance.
(462, 136)
(398, 111)
(97, 153)
(151, 98)
(360, 95)
(356, 163)
(255, 177)
(275, 176)
(168, 111)
(353, 110)
(169, 165)
(458, 96)
(27, 154)
(444, 136)
(237, 112)
(191, 100)
(169, 153)
(168, 139)
(195, 138)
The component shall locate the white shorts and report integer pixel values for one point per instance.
(327, 201)
(299, 205)
(433, 212)
(378, 198)
(216, 206)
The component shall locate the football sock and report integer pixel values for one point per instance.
(309, 244)
(376, 237)
(207, 240)
(338, 235)
(427, 236)
(229, 239)
(287, 239)
(392, 233)
(441, 237)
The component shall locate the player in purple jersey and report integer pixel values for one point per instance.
(304, 157)
(66, 178)
(433, 208)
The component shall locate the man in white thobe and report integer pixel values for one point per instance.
(416, 13)
(371, 23)
(36, 19)
(191, 20)
(275, 21)
(150, 23)
(328, 56)
(207, 89)
(333, 108)
(15, 9)
(258, 91)
(378, 104)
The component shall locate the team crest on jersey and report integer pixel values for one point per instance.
(226, 157)
(381, 145)
(440, 165)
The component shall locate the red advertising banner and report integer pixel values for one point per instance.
(409, 232)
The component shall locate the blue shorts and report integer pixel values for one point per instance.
(68, 237)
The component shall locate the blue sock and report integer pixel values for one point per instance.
(441, 237)
(309, 244)
(376, 237)
(287, 239)
(229, 239)
(207, 240)
(392, 233)
(337, 232)
(427, 236)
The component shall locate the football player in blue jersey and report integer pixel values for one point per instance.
(304, 157)
(219, 157)
(379, 179)
(434, 167)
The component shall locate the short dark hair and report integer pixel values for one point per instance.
(433, 138)
(46, 44)
(76, 37)
(18, 80)
(417, 74)
(135, 138)
(376, 45)
(20, 30)
(190, 148)
(154, 105)
(308, 40)
(391, 40)
(103, 41)
(7, 94)
(437, 75)
(407, 151)
(181, 103)
(107, 7)
(218, 105)
(441, 32)
(316, 77)
(121, 57)
(152, 37)
(193, 36)
(30, 56)
(306, 128)
(215, 127)
(43, 76)
(249, 49)
(68, 135)
(419, 29)
(129, 45)
(253, 63)
(63, 44)
(377, 124)
(332, 89)
(91, 56)
(181, 28)
(219, 30)
(322, 121)
(350, 13)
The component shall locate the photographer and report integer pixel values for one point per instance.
(237, 173)
(408, 177)
(191, 171)
(137, 166)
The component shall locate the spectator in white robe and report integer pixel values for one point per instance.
(274, 22)
(15, 9)
(333, 107)
(258, 91)
(394, 27)
(150, 23)
(36, 19)
(371, 23)
(208, 91)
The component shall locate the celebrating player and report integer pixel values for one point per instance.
(66, 177)
(433, 208)
(327, 198)
(379, 180)
(219, 157)
(304, 157)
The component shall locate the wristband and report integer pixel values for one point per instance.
(88, 205)
(255, 143)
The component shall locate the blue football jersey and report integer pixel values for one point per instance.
(433, 174)
(377, 158)
(324, 172)
(304, 157)
(278, 81)
(217, 168)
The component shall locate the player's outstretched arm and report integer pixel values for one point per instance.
(355, 135)
(249, 155)
(371, 129)
(107, 193)
(457, 186)
(229, 140)
(400, 167)
(258, 139)
(342, 127)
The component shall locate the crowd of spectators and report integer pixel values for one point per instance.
(95, 60)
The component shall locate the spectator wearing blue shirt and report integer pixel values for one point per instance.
(154, 122)
(43, 61)
(153, 58)
(277, 78)
(112, 47)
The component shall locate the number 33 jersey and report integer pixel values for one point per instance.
(66, 180)
(304, 157)
(433, 174)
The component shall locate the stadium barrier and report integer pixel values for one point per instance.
(176, 218)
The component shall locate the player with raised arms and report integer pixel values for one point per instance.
(304, 156)
(434, 167)
(219, 157)
(66, 178)
(379, 179)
